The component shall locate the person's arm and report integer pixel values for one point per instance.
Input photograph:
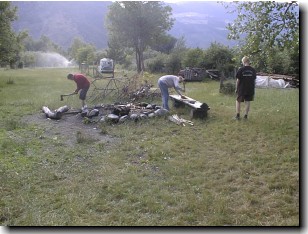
(237, 76)
(78, 87)
(236, 85)
(178, 88)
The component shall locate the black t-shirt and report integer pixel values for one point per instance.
(247, 78)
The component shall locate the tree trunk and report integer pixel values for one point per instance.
(57, 114)
(139, 56)
(138, 60)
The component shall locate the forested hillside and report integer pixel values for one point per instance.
(63, 21)
(199, 22)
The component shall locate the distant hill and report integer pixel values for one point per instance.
(199, 22)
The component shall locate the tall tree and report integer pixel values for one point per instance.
(115, 50)
(7, 36)
(76, 45)
(138, 24)
(263, 25)
(86, 54)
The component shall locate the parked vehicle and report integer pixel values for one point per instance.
(106, 65)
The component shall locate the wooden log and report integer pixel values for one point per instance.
(198, 109)
(72, 112)
(187, 101)
(198, 113)
(50, 114)
(62, 109)
(57, 114)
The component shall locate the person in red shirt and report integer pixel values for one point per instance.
(83, 84)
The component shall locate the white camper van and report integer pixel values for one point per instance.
(106, 65)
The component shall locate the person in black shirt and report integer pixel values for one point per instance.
(245, 87)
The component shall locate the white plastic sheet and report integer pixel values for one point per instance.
(267, 82)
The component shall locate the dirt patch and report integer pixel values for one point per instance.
(68, 129)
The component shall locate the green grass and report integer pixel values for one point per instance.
(218, 172)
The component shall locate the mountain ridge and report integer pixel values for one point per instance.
(201, 23)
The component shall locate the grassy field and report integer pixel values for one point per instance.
(219, 172)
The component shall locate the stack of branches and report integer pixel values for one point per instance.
(135, 89)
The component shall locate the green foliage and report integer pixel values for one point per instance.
(173, 63)
(86, 54)
(138, 24)
(98, 55)
(279, 62)
(227, 88)
(193, 58)
(175, 59)
(263, 27)
(8, 39)
(163, 63)
(218, 56)
(116, 51)
(164, 44)
(157, 64)
(266, 23)
(76, 45)
(43, 44)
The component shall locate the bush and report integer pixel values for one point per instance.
(156, 65)
(227, 88)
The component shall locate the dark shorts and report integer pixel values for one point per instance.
(83, 94)
(245, 98)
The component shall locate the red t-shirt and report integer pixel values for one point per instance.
(81, 81)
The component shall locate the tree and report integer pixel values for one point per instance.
(138, 24)
(218, 56)
(7, 36)
(11, 44)
(76, 45)
(193, 58)
(264, 25)
(86, 54)
(19, 48)
(116, 51)
(164, 44)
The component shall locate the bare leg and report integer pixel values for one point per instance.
(247, 107)
(238, 107)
